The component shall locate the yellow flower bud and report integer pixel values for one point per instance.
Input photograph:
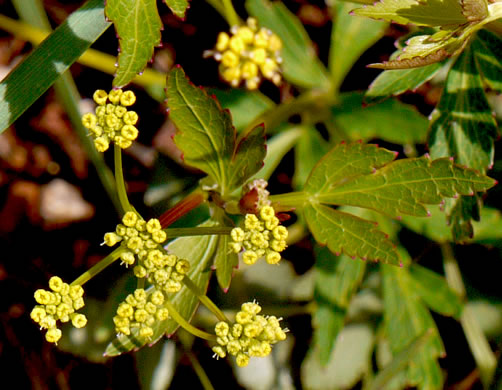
(261, 38)
(233, 347)
(111, 239)
(249, 70)
(100, 97)
(274, 43)
(236, 44)
(128, 98)
(242, 360)
(78, 303)
(129, 219)
(76, 292)
(111, 120)
(120, 112)
(249, 257)
(114, 96)
(182, 266)
(280, 233)
(140, 294)
(38, 313)
(53, 335)
(230, 59)
(245, 34)
(78, 320)
(232, 75)
(43, 297)
(162, 314)
(146, 332)
(172, 286)
(221, 329)
(89, 120)
(243, 318)
(153, 225)
(219, 352)
(222, 41)
(273, 257)
(125, 310)
(130, 118)
(258, 56)
(129, 132)
(171, 260)
(101, 144)
(122, 142)
(139, 271)
(55, 283)
(127, 258)
(159, 236)
(267, 213)
(157, 298)
(251, 308)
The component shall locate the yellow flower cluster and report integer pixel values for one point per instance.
(142, 240)
(112, 122)
(248, 54)
(140, 310)
(60, 303)
(252, 335)
(139, 237)
(261, 236)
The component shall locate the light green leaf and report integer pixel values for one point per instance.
(310, 148)
(39, 70)
(208, 139)
(435, 292)
(178, 7)
(349, 361)
(156, 365)
(350, 37)
(346, 160)
(301, 65)
(405, 186)
(396, 81)
(391, 374)
(245, 106)
(346, 233)
(422, 13)
(199, 251)
(488, 57)
(405, 319)
(138, 26)
(225, 262)
(389, 120)
(337, 279)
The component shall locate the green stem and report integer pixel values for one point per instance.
(96, 269)
(198, 231)
(294, 199)
(204, 299)
(186, 325)
(230, 14)
(119, 180)
(199, 371)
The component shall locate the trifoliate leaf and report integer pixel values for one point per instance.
(404, 186)
(346, 233)
(138, 26)
(394, 82)
(405, 319)
(178, 7)
(421, 13)
(208, 139)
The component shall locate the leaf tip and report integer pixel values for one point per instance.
(225, 290)
(401, 265)
(429, 213)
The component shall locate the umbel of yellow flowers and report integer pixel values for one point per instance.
(248, 54)
(261, 236)
(58, 304)
(252, 335)
(112, 122)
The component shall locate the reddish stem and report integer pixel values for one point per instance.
(181, 208)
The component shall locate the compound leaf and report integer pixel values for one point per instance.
(405, 319)
(208, 139)
(178, 7)
(199, 251)
(403, 186)
(346, 233)
(421, 13)
(138, 26)
(225, 261)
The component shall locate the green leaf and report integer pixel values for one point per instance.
(428, 13)
(178, 7)
(392, 371)
(343, 161)
(208, 139)
(350, 37)
(405, 319)
(39, 70)
(405, 186)
(346, 233)
(225, 262)
(337, 279)
(199, 251)
(396, 81)
(301, 65)
(245, 106)
(463, 127)
(435, 292)
(138, 25)
(310, 148)
(487, 49)
(389, 120)
(349, 362)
